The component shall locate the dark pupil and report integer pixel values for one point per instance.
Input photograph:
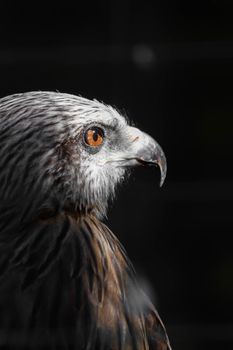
(95, 135)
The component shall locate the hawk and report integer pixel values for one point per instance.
(66, 281)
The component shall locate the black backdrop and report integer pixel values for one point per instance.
(168, 66)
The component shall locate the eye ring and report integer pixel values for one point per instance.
(94, 136)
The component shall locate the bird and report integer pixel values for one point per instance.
(66, 281)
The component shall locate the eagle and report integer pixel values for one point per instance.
(65, 279)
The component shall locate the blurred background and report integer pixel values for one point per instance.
(168, 65)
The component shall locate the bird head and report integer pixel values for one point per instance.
(61, 148)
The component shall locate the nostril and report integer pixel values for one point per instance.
(135, 139)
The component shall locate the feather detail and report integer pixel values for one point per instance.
(79, 286)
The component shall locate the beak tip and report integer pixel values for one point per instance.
(163, 171)
(162, 181)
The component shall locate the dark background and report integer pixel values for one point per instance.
(168, 66)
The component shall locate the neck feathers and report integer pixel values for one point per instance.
(79, 282)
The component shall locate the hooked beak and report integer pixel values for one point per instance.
(147, 152)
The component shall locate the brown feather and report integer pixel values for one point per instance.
(78, 288)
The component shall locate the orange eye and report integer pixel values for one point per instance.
(94, 137)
